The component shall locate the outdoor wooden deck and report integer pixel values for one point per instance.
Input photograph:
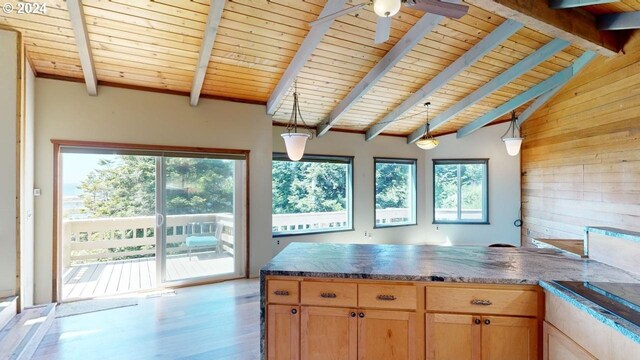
(114, 277)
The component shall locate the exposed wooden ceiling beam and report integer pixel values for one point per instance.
(309, 44)
(501, 33)
(557, 80)
(568, 4)
(76, 14)
(620, 21)
(401, 48)
(540, 101)
(496, 83)
(574, 25)
(213, 20)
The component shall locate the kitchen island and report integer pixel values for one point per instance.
(414, 301)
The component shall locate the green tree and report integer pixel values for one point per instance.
(392, 185)
(125, 186)
(301, 187)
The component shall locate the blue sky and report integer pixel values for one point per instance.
(76, 166)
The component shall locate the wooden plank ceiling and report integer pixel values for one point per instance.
(155, 45)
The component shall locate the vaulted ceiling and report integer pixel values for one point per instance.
(155, 45)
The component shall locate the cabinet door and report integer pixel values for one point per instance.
(558, 346)
(513, 338)
(283, 332)
(389, 335)
(453, 337)
(328, 333)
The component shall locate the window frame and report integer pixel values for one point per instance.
(485, 195)
(341, 159)
(414, 189)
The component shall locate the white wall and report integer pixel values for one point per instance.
(9, 109)
(27, 226)
(65, 111)
(504, 188)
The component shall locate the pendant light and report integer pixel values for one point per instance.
(427, 142)
(295, 141)
(513, 142)
(386, 8)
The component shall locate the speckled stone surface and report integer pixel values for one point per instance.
(464, 264)
(470, 264)
(619, 233)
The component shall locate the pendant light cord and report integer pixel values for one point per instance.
(426, 134)
(293, 121)
(512, 126)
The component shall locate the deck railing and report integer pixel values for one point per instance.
(106, 239)
(332, 219)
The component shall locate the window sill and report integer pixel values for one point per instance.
(460, 223)
(394, 226)
(304, 233)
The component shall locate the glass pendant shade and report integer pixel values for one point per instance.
(513, 145)
(427, 144)
(295, 143)
(386, 8)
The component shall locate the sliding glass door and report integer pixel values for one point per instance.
(201, 205)
(132, 220)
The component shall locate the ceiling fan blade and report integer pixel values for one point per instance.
(383, 28)
(337, 14)
(451, 10)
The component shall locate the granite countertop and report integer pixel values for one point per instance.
(614, 232)
(466, 264)
(440, 263)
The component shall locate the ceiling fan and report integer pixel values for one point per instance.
(385, 9)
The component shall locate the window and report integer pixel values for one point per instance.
(312, 195)
(460, 191)
(395, 192)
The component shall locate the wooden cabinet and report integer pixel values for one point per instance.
(283, 332)
(453, 336)
(328, 333)
(386, 334)
(482, 301)
(475, 337)
(508, 337)
(382, 296)
(558, 346)
(338, 319)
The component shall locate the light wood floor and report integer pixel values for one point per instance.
(107, 278)
(219, 321)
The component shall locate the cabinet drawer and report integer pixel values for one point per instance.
(387, 296)
(282, 292)
(482, 301)
(329, 294)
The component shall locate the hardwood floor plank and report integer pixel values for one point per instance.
(123, 285)
(90, 286)
(101, 287)
(218, 321)
(112, 288)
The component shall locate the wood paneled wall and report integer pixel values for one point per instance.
(581, 153)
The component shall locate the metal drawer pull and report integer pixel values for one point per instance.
(281, 292)
(481, 302)
(328, 295)
(386, 297)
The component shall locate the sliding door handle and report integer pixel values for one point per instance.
(159, 220)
